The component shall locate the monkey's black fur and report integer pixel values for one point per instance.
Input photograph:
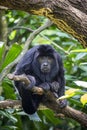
(54, 80)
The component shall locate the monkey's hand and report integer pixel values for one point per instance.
(32, 82)
(54, 87)
(45, 86)
(63, 103)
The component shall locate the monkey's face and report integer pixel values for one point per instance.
(45, 63)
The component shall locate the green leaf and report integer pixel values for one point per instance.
(83, 67)
(12, 118)
(62, 34)
(65, 97)
(12, 54)
(81, 83)
(12, 35)
(80, 56)
(8, 127)
(69, 77)
(83, 99)
(8, 89)
(1, 52)
(50, 115)
(79, 50)
(71, 92)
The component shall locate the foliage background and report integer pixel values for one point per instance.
(14, 31)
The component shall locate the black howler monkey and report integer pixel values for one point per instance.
(43, 66)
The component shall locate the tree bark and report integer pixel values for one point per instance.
(70, 112)
(51, 103)
(69, 16)
(49, 100)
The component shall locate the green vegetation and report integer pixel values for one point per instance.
(75, 63)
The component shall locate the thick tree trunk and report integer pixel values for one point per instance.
(70, 16)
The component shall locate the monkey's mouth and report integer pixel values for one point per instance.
(45, 70)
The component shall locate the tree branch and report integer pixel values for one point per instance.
(70, 16)
(25, 80)
(41, 35)
(26, 46)
(10, 103)
(49, 100)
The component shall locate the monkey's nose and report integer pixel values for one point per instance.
(45, 64)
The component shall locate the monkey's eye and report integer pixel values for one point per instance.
(41, 58)
(50, 59)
